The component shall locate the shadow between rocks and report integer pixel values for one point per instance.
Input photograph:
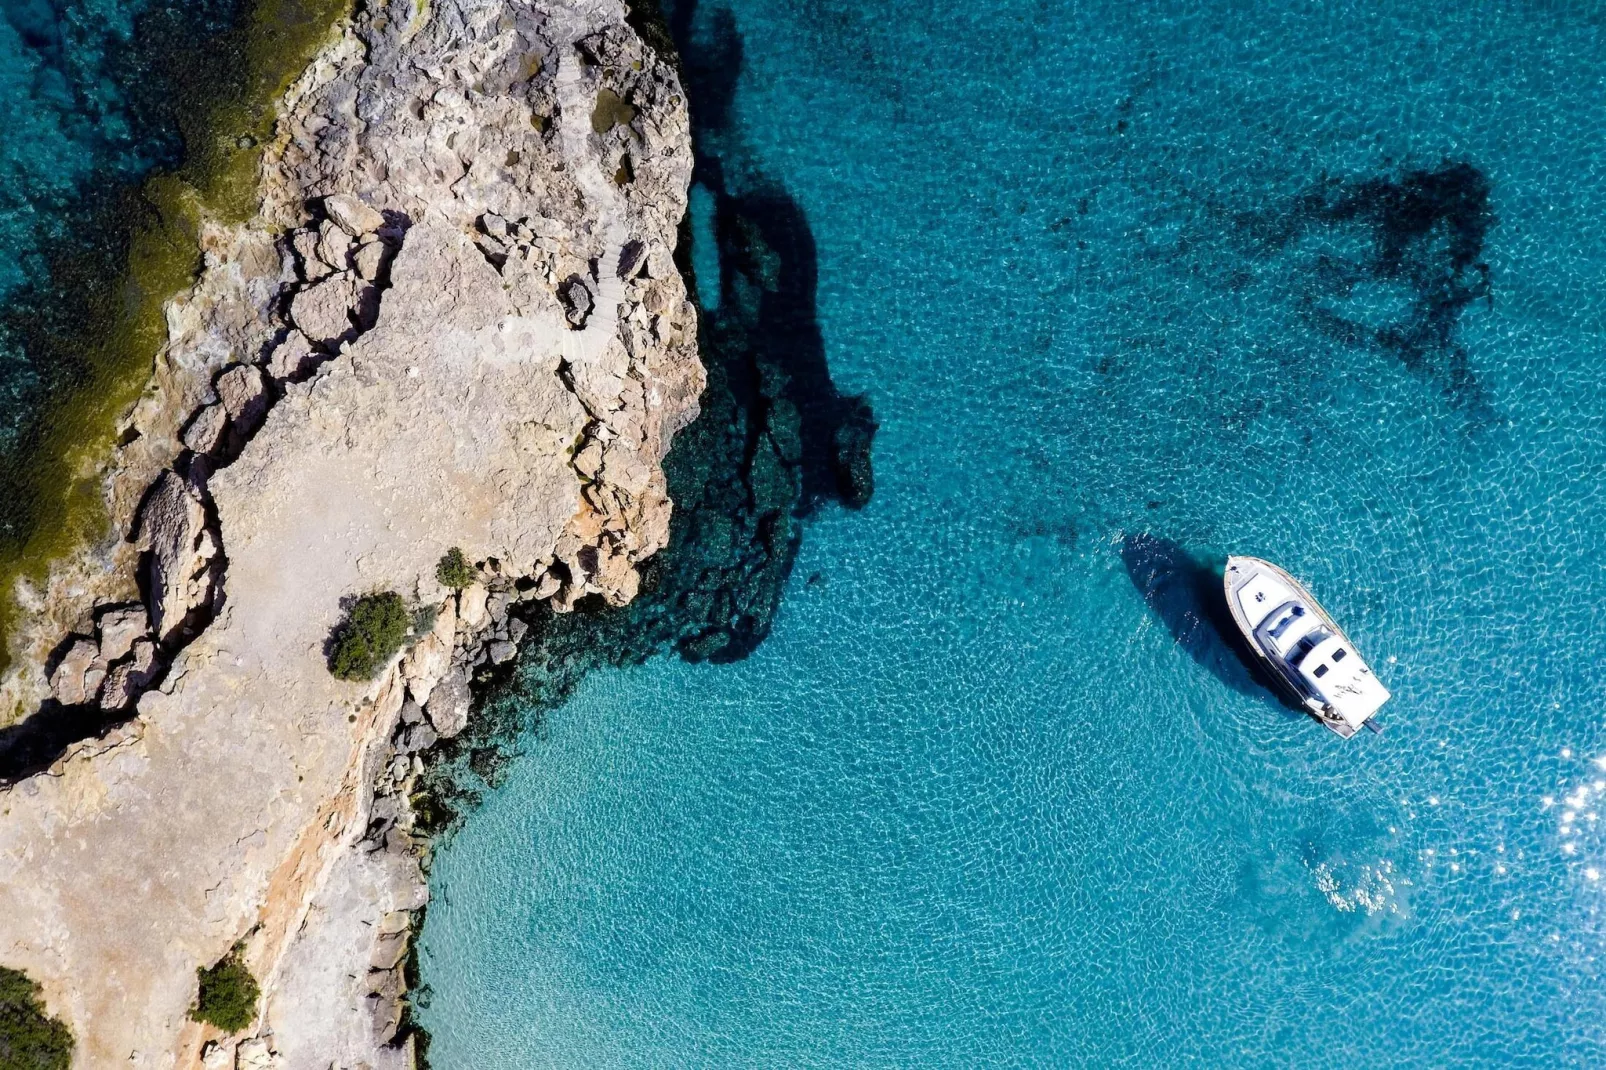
(30, 746)
(775, 442)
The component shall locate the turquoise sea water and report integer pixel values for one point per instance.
(1130, 286)
(88, 99)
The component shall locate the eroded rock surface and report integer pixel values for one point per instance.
(461, 285)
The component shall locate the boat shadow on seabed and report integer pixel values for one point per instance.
(1187, 597)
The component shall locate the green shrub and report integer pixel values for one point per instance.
(29, 1038)
(228, 994)
(454, 571)
(375, 629)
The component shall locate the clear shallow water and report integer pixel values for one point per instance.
(1124, 283)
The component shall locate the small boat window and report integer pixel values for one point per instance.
(1321, 671)
(1339, 654)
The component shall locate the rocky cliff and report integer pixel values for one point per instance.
(456, 322)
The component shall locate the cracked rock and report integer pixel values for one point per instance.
(205, 431)
(351, 215)
(171, 528)
(321, 310)
(449, 704)
(292, 358)
(67, 682)
(119, 627)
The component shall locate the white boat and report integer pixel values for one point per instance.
(1303, 649)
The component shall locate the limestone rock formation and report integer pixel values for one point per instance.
(455, 323)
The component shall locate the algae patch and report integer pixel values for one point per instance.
(95, 323)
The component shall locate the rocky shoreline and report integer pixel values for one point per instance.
(456, 321)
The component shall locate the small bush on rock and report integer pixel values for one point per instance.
(374, 630)
(228, 994)
(29, 1038)
(454, 571)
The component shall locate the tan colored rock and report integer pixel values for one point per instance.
(353, 216)
(305, 244)
(370, 259)
(322, 310)
(67, 682)
(171, 527)
(119, 627)
(243, 390)
(449, 704)
(205, 432)
(292, 358)
(334, 246)
(256, 1054)
(472, 604)
(431, 656)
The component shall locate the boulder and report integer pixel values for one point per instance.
(334, 246)
(119, 627)
(322, 310)
(419, 737)
(170, 527)
(292, 358)
(351, 215)
(449, 704)
(370, 259)
(471, 606)
(501, 652)
(389, 950)
(547, 586)
(305, 244)
(67, 682)
(254, 1054)
(244, 393)
(205, 431)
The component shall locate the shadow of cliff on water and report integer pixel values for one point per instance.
(775, 442)
(1187, 596)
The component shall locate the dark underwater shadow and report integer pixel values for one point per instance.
(1187, 597)
(1419, 234)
